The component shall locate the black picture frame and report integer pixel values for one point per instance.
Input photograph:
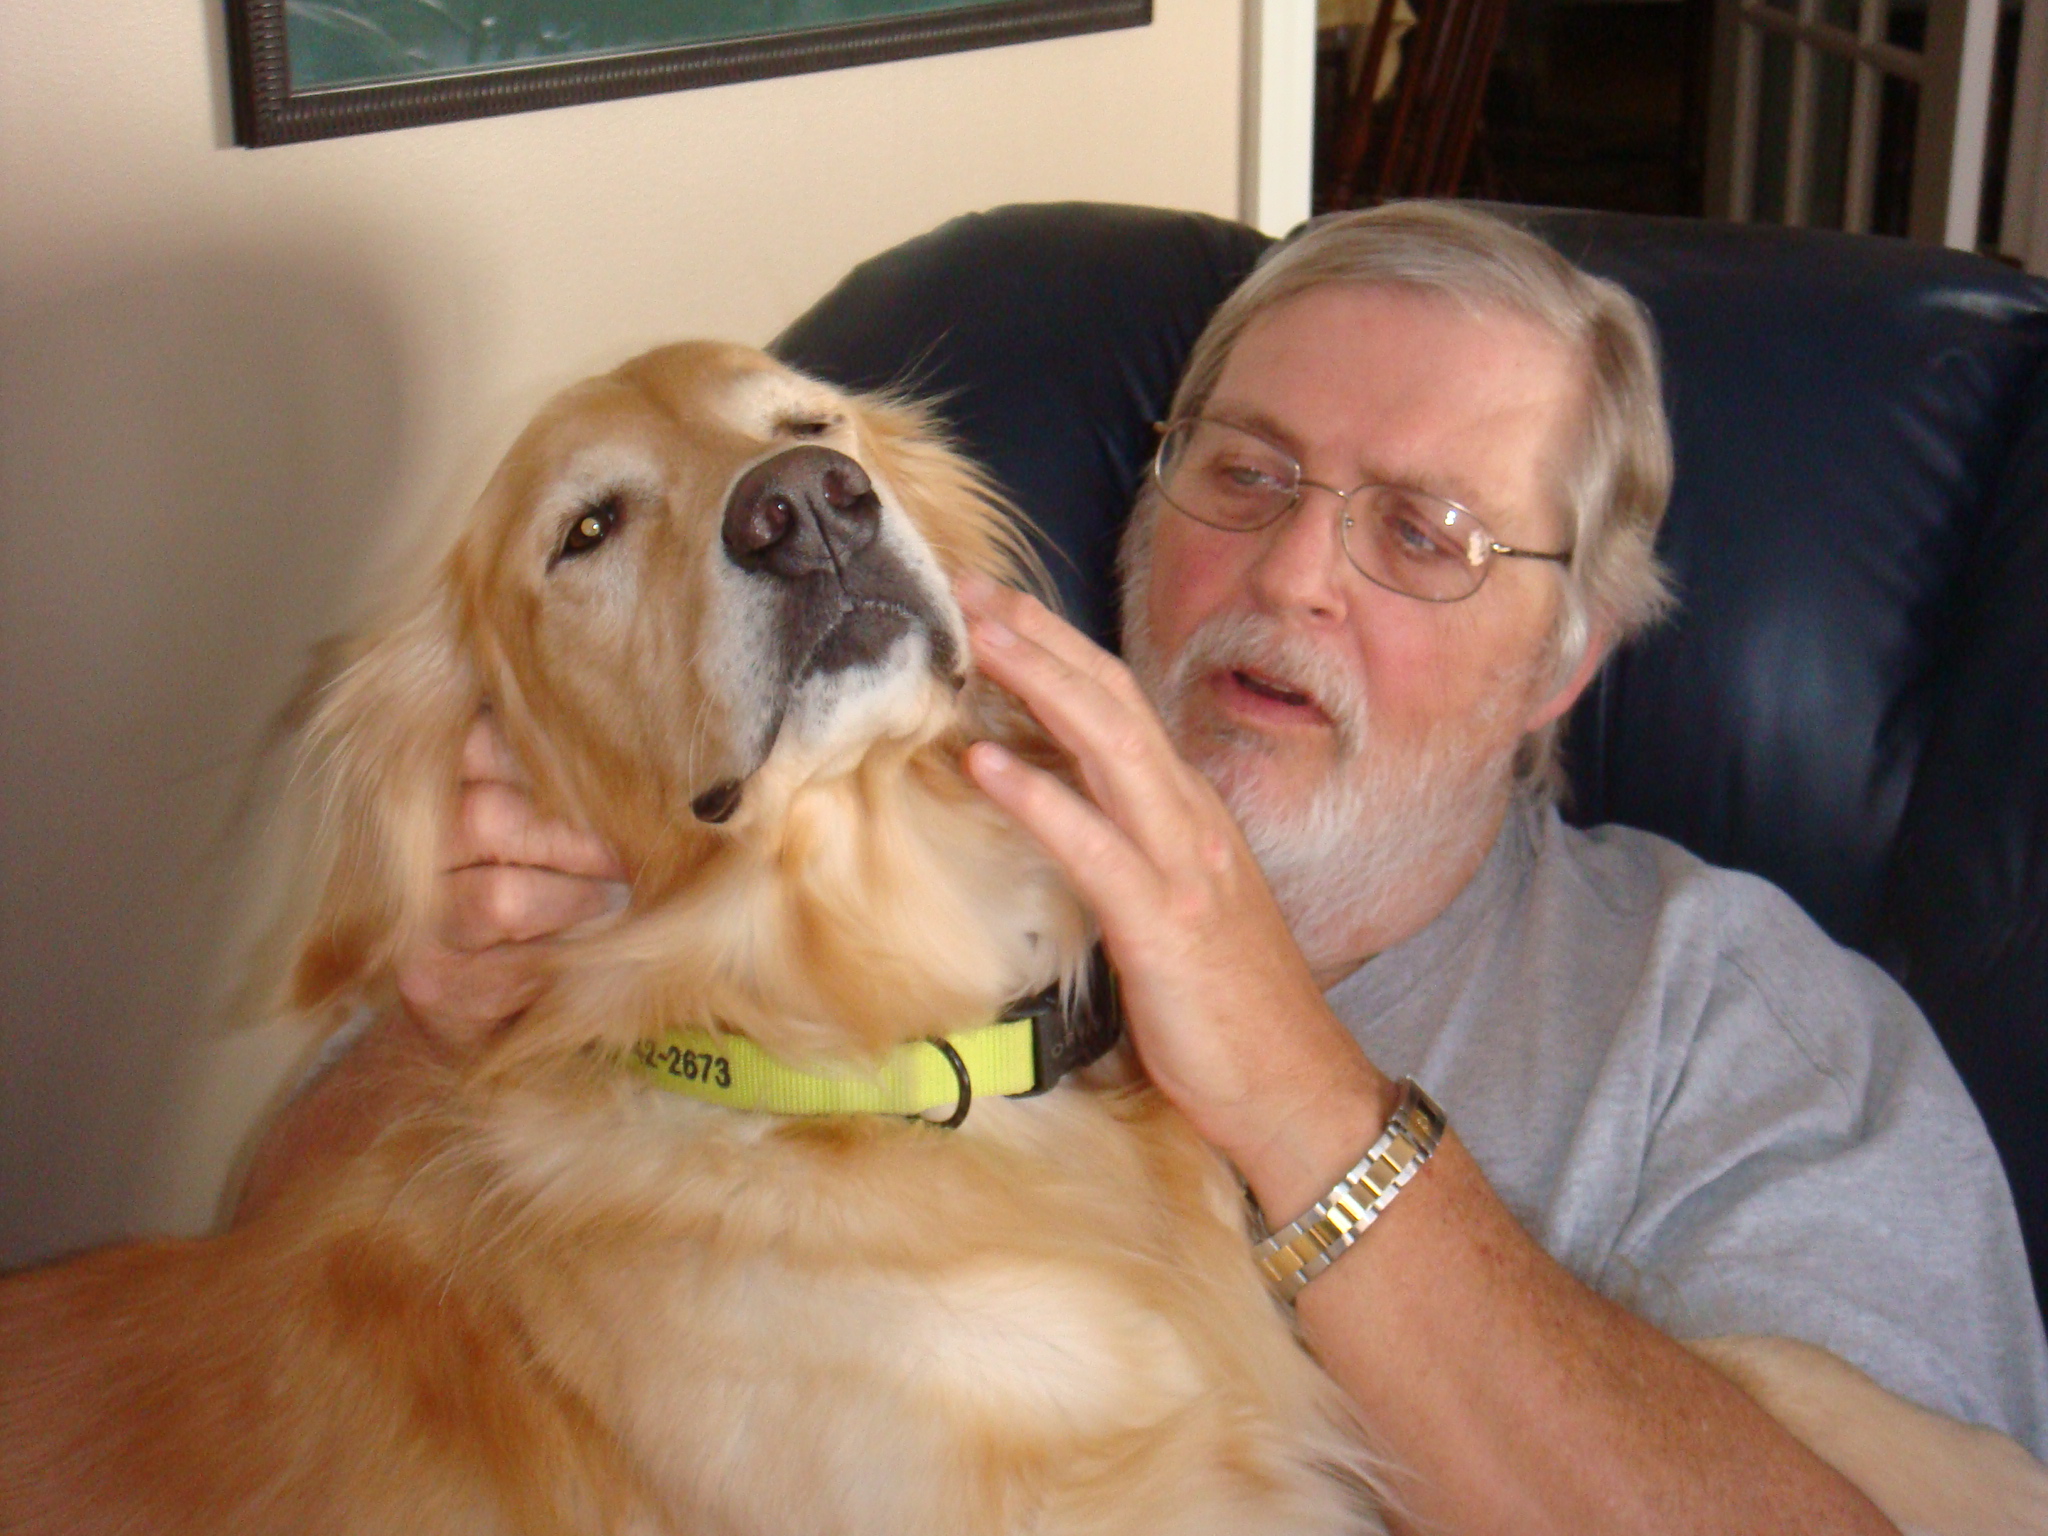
(268, 110)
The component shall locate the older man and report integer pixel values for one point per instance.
(1403, 508)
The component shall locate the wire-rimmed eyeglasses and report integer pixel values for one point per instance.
(1405, 540)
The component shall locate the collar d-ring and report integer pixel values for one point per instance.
(945, 1048)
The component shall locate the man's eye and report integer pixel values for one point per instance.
(1415, 535)
(1242, 476)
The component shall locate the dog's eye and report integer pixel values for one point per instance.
(806, 426)
(593, 525)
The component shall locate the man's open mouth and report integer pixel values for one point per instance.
(1266, 688)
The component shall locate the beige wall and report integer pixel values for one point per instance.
(227, 377)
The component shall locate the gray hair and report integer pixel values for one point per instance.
(1615, 484)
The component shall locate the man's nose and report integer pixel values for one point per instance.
(1301, 567)
(805, 510)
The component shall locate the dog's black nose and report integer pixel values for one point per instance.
(807, 509)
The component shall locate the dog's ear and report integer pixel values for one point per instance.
(382, 725)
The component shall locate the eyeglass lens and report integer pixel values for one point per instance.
(1402, 539)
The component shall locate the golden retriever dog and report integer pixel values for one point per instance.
(708, 602)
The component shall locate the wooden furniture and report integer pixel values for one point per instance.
(1413, 140)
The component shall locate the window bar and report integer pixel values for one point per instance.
(1889, 57)
(1799, 127)
(1749, 57)
(1861, 169)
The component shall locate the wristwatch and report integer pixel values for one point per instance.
(1314, 1240)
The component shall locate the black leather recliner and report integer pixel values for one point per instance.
(1853, 699)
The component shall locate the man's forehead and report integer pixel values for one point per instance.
(1377, 322)
(1390, 375)
(1391, 465)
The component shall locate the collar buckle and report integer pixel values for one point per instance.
(1063, 1041)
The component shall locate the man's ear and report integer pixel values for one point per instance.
(1566, 694)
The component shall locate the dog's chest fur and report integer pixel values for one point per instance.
(867, 1325)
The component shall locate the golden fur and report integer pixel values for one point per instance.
(554, 1299)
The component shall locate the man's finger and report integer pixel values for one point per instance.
(497, 824)
(1025, 615)
(1112, 875)
(486, 758)
(494, 904)
(1013, 630)
(460, 1000)
(1120, 745)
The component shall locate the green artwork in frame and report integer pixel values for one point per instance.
(306, 69)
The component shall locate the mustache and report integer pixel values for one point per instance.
(1263, 645)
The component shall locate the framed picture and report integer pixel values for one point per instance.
(314, 69)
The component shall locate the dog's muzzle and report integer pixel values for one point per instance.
(808, 521)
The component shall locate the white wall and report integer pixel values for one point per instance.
(227, 377)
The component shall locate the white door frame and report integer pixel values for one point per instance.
(1277, 158)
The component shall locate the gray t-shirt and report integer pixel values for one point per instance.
(1706, 1109)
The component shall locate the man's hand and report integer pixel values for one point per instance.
(1223, 1009)
(511, 879)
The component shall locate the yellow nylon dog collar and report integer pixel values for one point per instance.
(1031, 1046)
(733, 1071)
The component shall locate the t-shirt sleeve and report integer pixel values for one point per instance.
(1815, 1168)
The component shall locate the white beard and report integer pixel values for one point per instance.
(1342, 858)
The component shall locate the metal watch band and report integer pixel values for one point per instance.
(1312, 1242)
